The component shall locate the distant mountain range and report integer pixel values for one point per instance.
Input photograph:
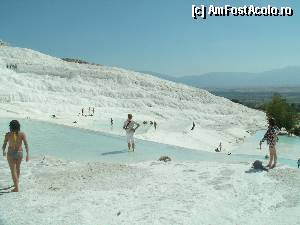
(285, 77)
(162, 76)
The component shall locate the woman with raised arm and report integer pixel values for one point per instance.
(15, 138)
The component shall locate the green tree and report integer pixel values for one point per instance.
(285, 114)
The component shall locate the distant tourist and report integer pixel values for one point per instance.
(11, 66)
(15, 138)
(111, 121)
(155, 125)
(82, 111)
(130, 127)
(193, 126)
(298, 163)
(93, 110)
(220, 146)
(272, 137)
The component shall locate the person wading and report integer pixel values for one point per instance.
(130, 127)
(272, 137)
(15, 138)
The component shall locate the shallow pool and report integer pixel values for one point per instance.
(79, 144)
(287, 147)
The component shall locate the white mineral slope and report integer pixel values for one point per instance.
(43, 85)
(208, 193)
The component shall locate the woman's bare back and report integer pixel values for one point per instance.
(15, 140)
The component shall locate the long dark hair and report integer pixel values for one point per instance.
(272, 122)
(14, 126)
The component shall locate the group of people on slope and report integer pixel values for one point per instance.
(15, 138)
(11, 66)
(154, 123)
(91, 112)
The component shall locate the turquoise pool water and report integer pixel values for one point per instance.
(287, 147)
(78, 144)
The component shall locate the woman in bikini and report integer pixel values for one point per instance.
(15, 138)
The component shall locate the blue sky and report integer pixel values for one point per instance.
(154, 35)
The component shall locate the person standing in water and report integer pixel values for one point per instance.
(193, 127)
(15, 138)
(130, 127)
(111, 121)
(155, 125)
(298, 163)
(272, 137)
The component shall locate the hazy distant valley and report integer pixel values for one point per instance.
(251, 89)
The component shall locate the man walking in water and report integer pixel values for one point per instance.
(130, 127)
